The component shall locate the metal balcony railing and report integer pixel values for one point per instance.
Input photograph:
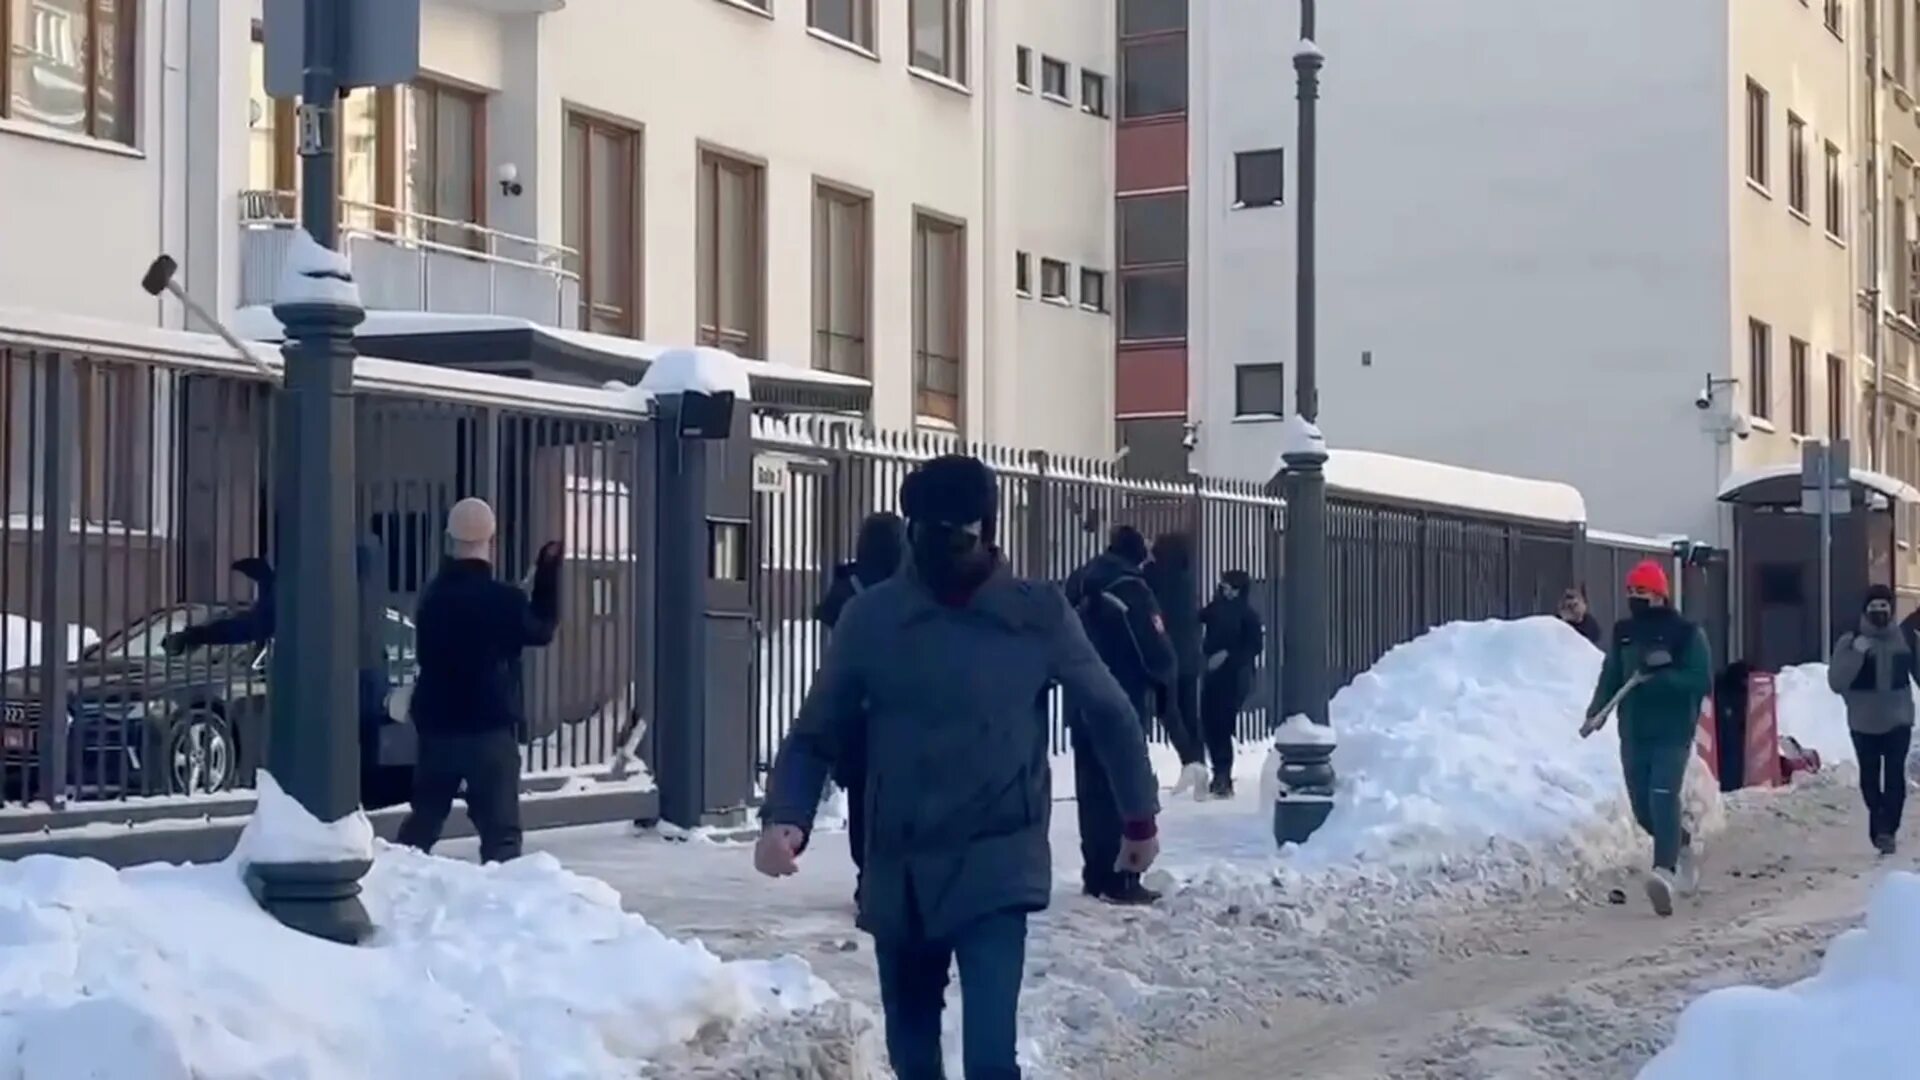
(405, 261)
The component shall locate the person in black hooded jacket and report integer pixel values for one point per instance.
(1235, 638)
(1170, 575)
(877, 555)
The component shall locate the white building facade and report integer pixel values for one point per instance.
(892, 191)
(1609, 245)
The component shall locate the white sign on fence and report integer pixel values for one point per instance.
(771, 476)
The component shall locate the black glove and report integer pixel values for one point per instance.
(550, 553)
(1657, 659)
(174, 644)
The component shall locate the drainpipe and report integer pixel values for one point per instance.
(1877, 448)
(990, 424)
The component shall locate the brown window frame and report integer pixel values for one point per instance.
(1836, 191)
(1759, 370)
(750, 341)
(1799, 408)
(826, 289)
(630, 316)
(126, 42)
(286, 164)
(1836, 396)
(929, 403)
(953, 62)
(386, 157)
(1797, 188)
(864, 34)
(478, 99)
(1759, 146)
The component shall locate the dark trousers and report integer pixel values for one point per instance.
(1098, 811)
(1180, 716)
(1655, 774)
(992, 955)
(857, 823)
(1883, 777)
(488, 766)
(1224, 692)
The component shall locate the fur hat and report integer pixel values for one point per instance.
(952, 490)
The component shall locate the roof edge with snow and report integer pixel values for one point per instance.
(1413, 480)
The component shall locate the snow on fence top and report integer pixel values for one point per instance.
(1389, 476)
(703, 370)
(185, 350)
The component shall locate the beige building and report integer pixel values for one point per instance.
(917, 193)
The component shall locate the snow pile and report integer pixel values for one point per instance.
(1808, 711)
(1851, 1020)
(314, 274)
(703, 370)
(521, 970)
(283, 831)
(20, 642)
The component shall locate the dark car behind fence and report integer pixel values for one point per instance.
(135, 475)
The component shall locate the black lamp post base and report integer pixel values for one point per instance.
(1296, 818)
(1305, 796)
(320, 899)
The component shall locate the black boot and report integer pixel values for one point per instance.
(1884, 844)
(1222, 787)
(1127, 891)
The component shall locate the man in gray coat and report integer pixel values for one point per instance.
(1873, 669)
(948, 666)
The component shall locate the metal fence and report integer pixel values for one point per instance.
(136, 478)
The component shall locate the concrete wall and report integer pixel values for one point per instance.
(1524, 221)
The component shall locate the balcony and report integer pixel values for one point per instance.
(412, 262)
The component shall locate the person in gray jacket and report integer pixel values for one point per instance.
(948, 667)
(1873, 669)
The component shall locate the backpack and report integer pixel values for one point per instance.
(1108, 622)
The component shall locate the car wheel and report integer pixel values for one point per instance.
(201, 755)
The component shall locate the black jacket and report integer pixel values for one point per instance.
(1234, 628)
(471, 630)
(1174, 590)
(1135, 646)
(1588, 627)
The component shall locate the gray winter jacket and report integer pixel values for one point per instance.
(1877, 684)
(958, 787)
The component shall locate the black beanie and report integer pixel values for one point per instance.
(1128, 543)
(1878, 592)
(952, 490)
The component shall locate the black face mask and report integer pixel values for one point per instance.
(1639, 606)
(950, 559)
(1879, 619)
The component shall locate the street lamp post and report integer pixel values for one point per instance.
(1305, 738)
(313, 746)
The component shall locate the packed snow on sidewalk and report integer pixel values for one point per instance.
(1854, 1019)
(523, 970)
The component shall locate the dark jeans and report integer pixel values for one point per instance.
(1220, 701)
(857, 824)
(1883, 777)
(1654, 774)
(1180, 715)
(992, 955)
(488, 766)
(1099, 813)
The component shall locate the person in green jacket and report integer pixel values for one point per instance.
(1657, 674)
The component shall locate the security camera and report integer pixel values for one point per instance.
(1742, 427)
(1704, 401)
(1190, 437)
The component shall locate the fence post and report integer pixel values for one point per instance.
(56, 525)
(1040, 502)
(486, 455)
(1510, 543)
(680, 653)
(1422, 544)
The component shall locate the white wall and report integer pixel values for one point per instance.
(83, 218)
(1052, 376)
(1523, 216)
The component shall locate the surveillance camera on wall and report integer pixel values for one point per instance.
(1190, 438)
(1704, 401)
(1742, 427)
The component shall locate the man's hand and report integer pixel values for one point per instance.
(1593, 725)
(550, 552)
(778, 852)
(1136, 856)
(174, 644)
(1215, 661)
(1862, 644)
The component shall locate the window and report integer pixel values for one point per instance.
(1023, 67)
(1797, 164)
(1836, 398)
(1023, 273)
(1260, 390)
(1093, 92)
(1053, 78)
(731, 261)
(270, 159)
(1259, 178)
(939, 317)
(1153, 229)
(1093, 289)
(937, 37)
(369, 163)
(71, 65)
(1759, 369)
(601, 221)
(1898, 54)
(849, 20)
(1834, 18)
(1798, 407)
(1152, 16)
(1153, 78)
(1836, 195)
(1153, 273)
(445, 131)
(1756, 133)
(1053, 280)
(842, 255)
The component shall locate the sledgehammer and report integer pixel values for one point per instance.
(1599, 720)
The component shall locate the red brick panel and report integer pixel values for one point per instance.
(1151, 155)
(1151, 380)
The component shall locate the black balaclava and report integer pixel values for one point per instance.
(1880, 619)
(952, 507)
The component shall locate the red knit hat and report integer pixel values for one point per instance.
(1650, 577)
